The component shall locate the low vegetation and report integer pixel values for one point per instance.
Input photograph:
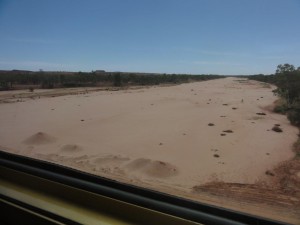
(17, 79)
(287, 80)
(297, 148)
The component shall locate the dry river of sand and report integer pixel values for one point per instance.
(166, 138)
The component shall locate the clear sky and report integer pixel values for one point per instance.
(168, 36)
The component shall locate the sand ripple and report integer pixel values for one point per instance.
(71, 148)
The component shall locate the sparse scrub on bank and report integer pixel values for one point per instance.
(280, 106)
(265, 85)
(287, 80)
(10, 80)
(294, 114)
(117, 80)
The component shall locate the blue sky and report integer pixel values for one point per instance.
(168, 36)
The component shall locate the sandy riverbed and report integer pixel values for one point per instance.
(158, 137)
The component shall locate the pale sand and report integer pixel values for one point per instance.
(156, 137)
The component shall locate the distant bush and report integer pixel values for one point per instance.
(117, 80)
(71, 85)
(4, 86)
(11, 79)
(47, 85)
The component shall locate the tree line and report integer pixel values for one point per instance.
(287, 81)
(10, 80)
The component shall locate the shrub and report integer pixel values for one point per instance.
(282, 109)
(294, 116)
(277, 129)
(117, 80)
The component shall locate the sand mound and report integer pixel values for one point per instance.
(71, 148)
(39, 138)
(152, 168)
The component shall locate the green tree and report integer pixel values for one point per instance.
(287, 79)
(282, 68)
